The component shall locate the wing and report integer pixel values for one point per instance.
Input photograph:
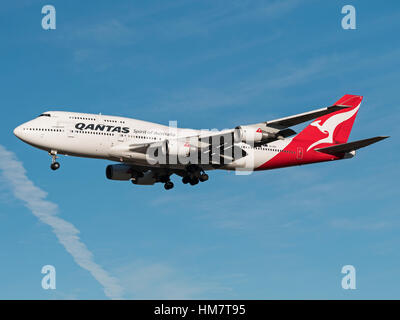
(214, 150)
(301, 117)
(272, 130)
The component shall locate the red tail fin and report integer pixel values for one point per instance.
(332, 128)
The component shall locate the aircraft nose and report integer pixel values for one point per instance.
(18, 131)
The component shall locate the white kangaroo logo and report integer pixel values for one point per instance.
(330, 125)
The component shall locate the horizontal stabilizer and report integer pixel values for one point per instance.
(350, 146)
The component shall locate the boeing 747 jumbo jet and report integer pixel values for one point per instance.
(148, 152)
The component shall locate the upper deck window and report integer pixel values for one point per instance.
(45, 115)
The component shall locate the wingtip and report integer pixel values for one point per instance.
(380, 138)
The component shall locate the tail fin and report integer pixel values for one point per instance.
(333, 128)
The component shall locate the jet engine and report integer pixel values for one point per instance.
(250, 135)
(126, 172)
(119, 172)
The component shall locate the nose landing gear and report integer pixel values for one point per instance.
(54, 164)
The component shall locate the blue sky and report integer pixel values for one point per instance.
(207, 64)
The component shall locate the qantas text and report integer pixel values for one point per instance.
(101, 127)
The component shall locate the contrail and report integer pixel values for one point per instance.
(34, 199)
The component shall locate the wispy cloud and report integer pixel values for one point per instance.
(216, 15)
(162, 281)
(240, 92)
(139, 27)
(138, 24)
(34, 198)
(360, 224)
(305, 200)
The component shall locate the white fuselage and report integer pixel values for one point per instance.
(99, 136)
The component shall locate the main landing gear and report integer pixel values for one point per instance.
(203, 177)
(168, 184)
(54, 164)
(194, 176)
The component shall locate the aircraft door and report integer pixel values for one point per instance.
(68, 128)
(299, 155)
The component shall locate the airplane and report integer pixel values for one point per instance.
(148, 153)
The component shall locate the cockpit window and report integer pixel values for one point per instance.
(45, 115)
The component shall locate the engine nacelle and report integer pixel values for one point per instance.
(119, 172)
(249, 134)
(147, 179)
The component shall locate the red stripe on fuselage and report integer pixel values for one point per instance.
(296, 155)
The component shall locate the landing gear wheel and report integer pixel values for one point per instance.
(168, 185)
(203, 177)
(185, 179)
(194, 181)
(55, 166)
